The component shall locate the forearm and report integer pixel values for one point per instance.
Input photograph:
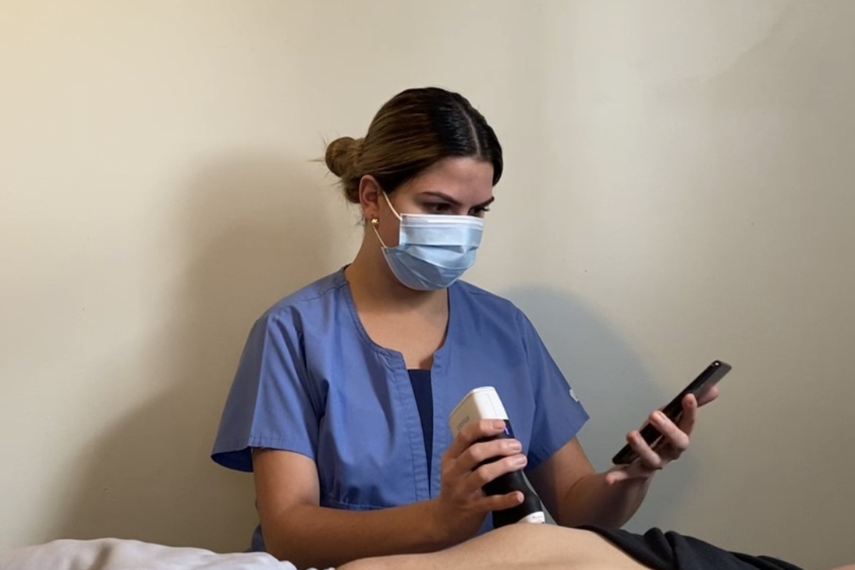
(309, 535)
(593, 501)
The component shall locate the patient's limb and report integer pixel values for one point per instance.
(546, 547)
(516, 547)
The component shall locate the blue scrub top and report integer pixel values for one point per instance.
(311, 381)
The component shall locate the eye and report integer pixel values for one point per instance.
(479, 211)
(438, 207)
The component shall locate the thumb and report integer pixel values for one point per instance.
(616, 475)
(635, 470)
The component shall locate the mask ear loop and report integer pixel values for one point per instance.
(375, 222)
(391, 207)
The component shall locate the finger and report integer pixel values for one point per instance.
(479, 452)
(673, 435)
(491, 471)
(649, 458)
(471, 433)
(689, 415)
(708, 396)
(499, 502)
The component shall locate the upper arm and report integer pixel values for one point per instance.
(556, 457)
(283, 480)
(557, 414)
(272, 402)
(553, 478)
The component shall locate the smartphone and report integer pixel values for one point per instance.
(706, 380)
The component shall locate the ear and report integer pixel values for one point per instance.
(369, 197)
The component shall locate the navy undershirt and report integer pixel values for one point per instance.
(420, 379)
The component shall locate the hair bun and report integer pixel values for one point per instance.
(342, 154)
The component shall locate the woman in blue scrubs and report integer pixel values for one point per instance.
(340, 401)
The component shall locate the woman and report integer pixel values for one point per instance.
(340, 400)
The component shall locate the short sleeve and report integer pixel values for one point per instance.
(269, 404)
(558, 413)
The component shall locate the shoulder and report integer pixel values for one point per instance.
(489, 307)
(315, 298)
(501, 315)
(482, 298)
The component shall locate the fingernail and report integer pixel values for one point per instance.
(659, 416)
(514, 446)
(520, 461)
(498, 424)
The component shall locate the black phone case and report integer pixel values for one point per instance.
(706, 380)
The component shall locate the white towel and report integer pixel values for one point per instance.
(120, 554)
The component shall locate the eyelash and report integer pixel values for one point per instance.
(445, 207)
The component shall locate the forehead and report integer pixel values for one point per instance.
(463, 178)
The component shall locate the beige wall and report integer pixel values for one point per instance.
(679, 188)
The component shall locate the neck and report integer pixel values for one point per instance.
(373, 284)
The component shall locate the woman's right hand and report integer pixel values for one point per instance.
(462, 505)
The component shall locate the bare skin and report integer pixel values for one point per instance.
(516, 547)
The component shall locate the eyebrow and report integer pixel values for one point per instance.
(454, 202)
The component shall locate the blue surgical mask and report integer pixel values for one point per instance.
(433, 250)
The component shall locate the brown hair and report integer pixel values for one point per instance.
(412, 131)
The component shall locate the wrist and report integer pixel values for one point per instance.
(438, 529)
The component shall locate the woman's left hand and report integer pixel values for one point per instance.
(673, 443)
